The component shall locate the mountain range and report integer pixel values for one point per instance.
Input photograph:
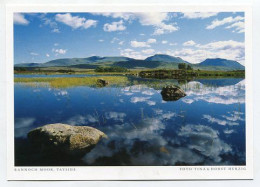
(155, 61)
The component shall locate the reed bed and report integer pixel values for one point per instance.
(64, 82)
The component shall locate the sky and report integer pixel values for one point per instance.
(193, 36)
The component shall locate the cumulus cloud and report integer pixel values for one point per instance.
(56, 30)
(82, 120)
(59, 51)
(23, 125)
(193, 144)
(205, 140)
(225, 95)
(189, 43)
(200, 15)
(237, 23)
(121, 43)
(75, 21)
(132, 53)
(151, 40)
(155, 19)
(49, 22)
(219, 121)
(172, 44)
(117, 116)
(165, 28)
(228, 131)
(34, 54)
(148, 51)
(139, 44)
(228, 49)
(139, 99)
(147, 43)
(164, 42)
(114, 26)
(60, 93)
(148, 92)
(19, 19)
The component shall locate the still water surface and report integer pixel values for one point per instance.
(207, 127)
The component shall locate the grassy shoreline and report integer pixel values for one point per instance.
(197, 73)
(64, 82)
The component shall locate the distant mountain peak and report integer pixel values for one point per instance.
(165, 58)
(222, 62)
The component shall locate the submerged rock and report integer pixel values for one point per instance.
(102, 82)
(172, 93)
(71, 140)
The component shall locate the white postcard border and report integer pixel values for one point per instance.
(128, 172)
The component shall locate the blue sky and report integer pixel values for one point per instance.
(193, 36)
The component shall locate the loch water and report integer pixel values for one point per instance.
(206, 127)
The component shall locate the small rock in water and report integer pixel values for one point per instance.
(102, 82)
(172, 93)
(71, 140)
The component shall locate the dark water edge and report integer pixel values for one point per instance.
(31, 156)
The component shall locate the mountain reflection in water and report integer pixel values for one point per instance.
(206, 127)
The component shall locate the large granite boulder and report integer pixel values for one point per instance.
(63, 138)
(172, 93)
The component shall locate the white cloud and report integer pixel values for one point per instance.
(19, 19)
(233, 22)
(50, 22)
(226, 95)
(189, 43)
(164, 42)
(55, 44)
(219, 121)
(155, 19)
(148, 51)
(239, 27)
(75, 21)
(34, 54)
(143, 44)
(148, 92)
(205, 140)
(139, 99)
(114, 26)
(22, 126)
(101, 40)
(227, 131)
(82, 120)
(122, 15)
(117, 116)
(205, 147)
(139, 44)
(121, 42)
(151, 40)
(47, 55)
(196, 15)
(172, 44)
(61, 93)
(132, 54)
(114, 40)
(229, 49)
(165, 28)
(152, 18)
(59, 51)
(151, 103)
(224, 45)
(56, 30)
